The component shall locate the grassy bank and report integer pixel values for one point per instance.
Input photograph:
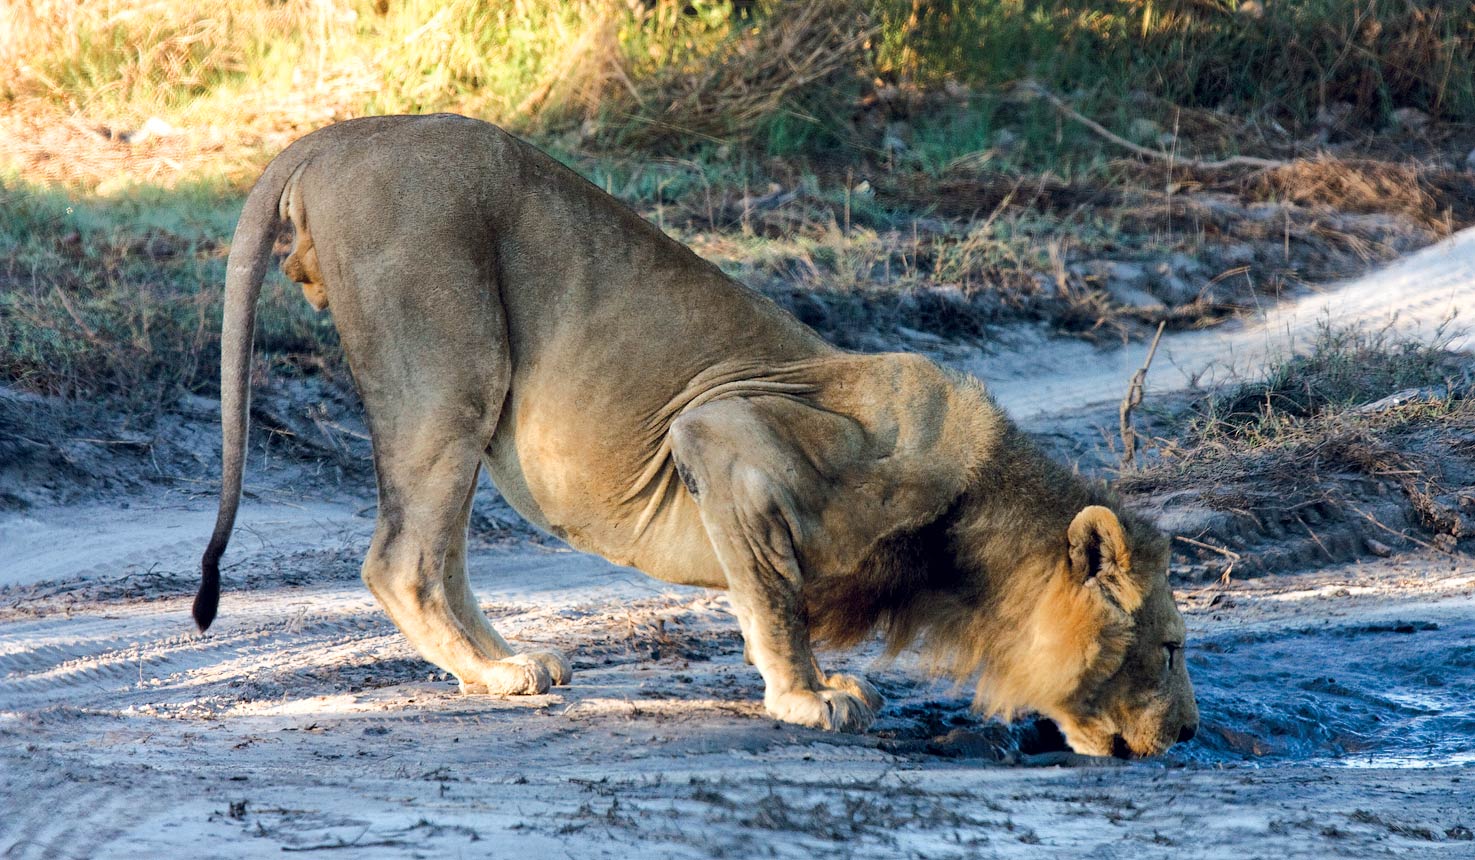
(1361, 444)
(121, 296)
(922, 83)
(875, 165)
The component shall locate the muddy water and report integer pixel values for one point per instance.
(1286, 676)
(1394, 691)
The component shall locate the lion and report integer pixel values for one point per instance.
(498, 311)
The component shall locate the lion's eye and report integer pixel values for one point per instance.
(1170, 649)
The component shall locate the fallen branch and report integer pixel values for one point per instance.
(1101, 130)
(1374, 520)
(1230, 554)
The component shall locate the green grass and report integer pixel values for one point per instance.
(679, 77)
(121, 296)
(677, 108)
(1378, 55)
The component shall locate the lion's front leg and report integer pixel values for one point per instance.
(727, 457)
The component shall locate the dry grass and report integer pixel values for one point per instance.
(728, 96)
(1319, 446)
(911, 84)
(905, 186)
(1356, 185)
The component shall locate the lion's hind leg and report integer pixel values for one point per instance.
(466, 609)
(422, 489)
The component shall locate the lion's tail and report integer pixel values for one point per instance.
(250, 254)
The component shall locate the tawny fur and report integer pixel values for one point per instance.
(500, 313)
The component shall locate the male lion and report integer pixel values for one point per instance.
(625, 395)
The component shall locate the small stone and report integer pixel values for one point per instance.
(1133, 297)
(897, 137)
(1130, 274)
(1127, 273)
(1470, 161)
(1333, 115)
(1185, 264)
(1410, 119)
(1252, 9)
(1177, 291)
(1237, 255)
(1377, 548)
(1005, 140)
(152, 128)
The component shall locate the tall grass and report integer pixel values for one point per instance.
(192, 61)
(1285, 61)
(783, 76)
(102, 292)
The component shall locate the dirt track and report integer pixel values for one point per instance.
(1338, 707)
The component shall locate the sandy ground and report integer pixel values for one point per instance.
(1427, 295)
(1338, 706)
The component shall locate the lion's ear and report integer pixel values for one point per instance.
(1099, 556)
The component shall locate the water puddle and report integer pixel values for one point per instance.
(1397, 694)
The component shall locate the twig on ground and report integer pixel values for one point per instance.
(329, 846)
(1324, 551)
(1230, 554)
(1196, 163)
(1374, 520)
(1134, 399)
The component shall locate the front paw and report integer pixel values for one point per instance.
(831, 710)
(557, 665)
(858, 687)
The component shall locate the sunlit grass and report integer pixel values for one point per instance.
(121, 295)
(679, 77)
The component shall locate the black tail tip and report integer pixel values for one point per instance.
(204, 611)
(207, 599)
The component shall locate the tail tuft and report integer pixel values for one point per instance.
(207, 599)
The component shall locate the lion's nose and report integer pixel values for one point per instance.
(1186, 733)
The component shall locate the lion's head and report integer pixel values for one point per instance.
(1122, 637)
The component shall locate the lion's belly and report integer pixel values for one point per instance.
(561, 488)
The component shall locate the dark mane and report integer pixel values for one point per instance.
(908, 581)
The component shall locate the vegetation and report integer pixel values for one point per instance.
(777, 77)
(1343, 370)
(120, 296)
(871, 163)
(1363, 435)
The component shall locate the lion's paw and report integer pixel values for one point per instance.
(832, 710)
(518, 675)
(557, 665)
(858, 687)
